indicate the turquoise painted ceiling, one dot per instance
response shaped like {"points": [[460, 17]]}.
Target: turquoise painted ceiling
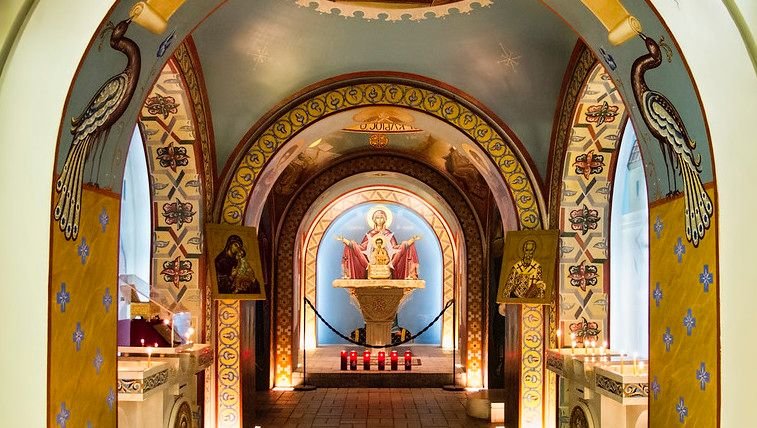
{"points": [[511, 56]]}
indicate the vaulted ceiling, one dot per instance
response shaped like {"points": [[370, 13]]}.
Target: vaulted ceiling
{"points": [[510, 55]]}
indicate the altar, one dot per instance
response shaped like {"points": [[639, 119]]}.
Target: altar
{"points": [[379, 300]]}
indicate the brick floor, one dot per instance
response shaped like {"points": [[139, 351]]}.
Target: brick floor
{"points": [[364, 407]]}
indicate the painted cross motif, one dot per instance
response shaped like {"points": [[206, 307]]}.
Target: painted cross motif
{"points": [[681, 409], [656, 388], [658, 226], [582, 275], [679, 250], [657, 294], [589, 163], [107, 299], [104, 219], [601, 113], [172, 156], [98, 360], [689, 322], [110, 399], [78, 336], [667, 337], [83, 250], [706, 278], [178, 213], [62, 417], [160, 105], [176, 271], [584, 219], [703, 376], [62, 297]]}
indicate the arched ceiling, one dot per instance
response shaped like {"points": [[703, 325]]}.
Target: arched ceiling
{"points": [[511, 56]]}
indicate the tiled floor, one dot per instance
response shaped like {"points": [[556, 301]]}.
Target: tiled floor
{"points": [[370, 407]]}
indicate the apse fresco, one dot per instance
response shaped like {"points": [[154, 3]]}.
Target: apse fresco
{"points": [[420, 307], [83, 309]]}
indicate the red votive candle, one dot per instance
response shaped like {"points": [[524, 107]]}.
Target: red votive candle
{"points": [[381, 360], [394, 360], [343, 360], [366, 360], [353, 360], [408, 360]]}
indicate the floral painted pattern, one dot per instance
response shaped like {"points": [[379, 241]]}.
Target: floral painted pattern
{"points": [[178, 213], [584, 219], [689, 322], [160, 105], [176, 271], [63, 297], [703, 376], [589, 163], [679, 249], [657, 294], [582, 275], [83, 250], [601, 113], [172, 157], [585, 330], [706, 278]]}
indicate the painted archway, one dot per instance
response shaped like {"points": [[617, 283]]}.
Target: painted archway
{"points": [[38, 119]]}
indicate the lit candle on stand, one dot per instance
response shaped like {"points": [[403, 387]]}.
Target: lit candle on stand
{"points": [[149, 356], [641, 367], [353, 360], [366, 360], [169, 323], [394, 360], [142, 341], [408, 360], [381, 360], [343, 360], [572, 347], [559, 337]]}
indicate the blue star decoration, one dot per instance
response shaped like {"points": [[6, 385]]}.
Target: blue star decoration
{"points": [[679, 250], [655, 388], [657, 294], [83, 250], [658, 226], [98, 360], [681, 409], [62, 297], [107, 299], [78, 336], [706, 278], [62, 417], [689, 322], [104, 219], [667, 337], [703, 376], [110, 399]]}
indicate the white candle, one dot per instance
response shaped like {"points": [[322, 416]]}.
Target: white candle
{"points": [[622, 357], [559, 337], [572, 347], [149, 356], [641, 367], [634, 364]]}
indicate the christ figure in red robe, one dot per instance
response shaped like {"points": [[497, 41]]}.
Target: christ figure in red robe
{"points": [[403, 256]]}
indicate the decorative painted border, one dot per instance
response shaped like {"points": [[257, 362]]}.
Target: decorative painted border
{"points": [[470, 348], [142, 386], [345, 96], [173, 159], [229, 397], [378, 194], [598, 119], [621, 390]]}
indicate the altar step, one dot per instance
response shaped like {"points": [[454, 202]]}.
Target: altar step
{"points": [[377, 379]]}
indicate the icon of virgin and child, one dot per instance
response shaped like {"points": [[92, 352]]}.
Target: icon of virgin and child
{"points": [[379, 254]]}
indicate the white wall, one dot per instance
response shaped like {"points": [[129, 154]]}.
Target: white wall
{"points": [[31, 104]]}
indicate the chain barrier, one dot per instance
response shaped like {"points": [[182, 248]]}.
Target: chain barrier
{"points": [[392, 345]]}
